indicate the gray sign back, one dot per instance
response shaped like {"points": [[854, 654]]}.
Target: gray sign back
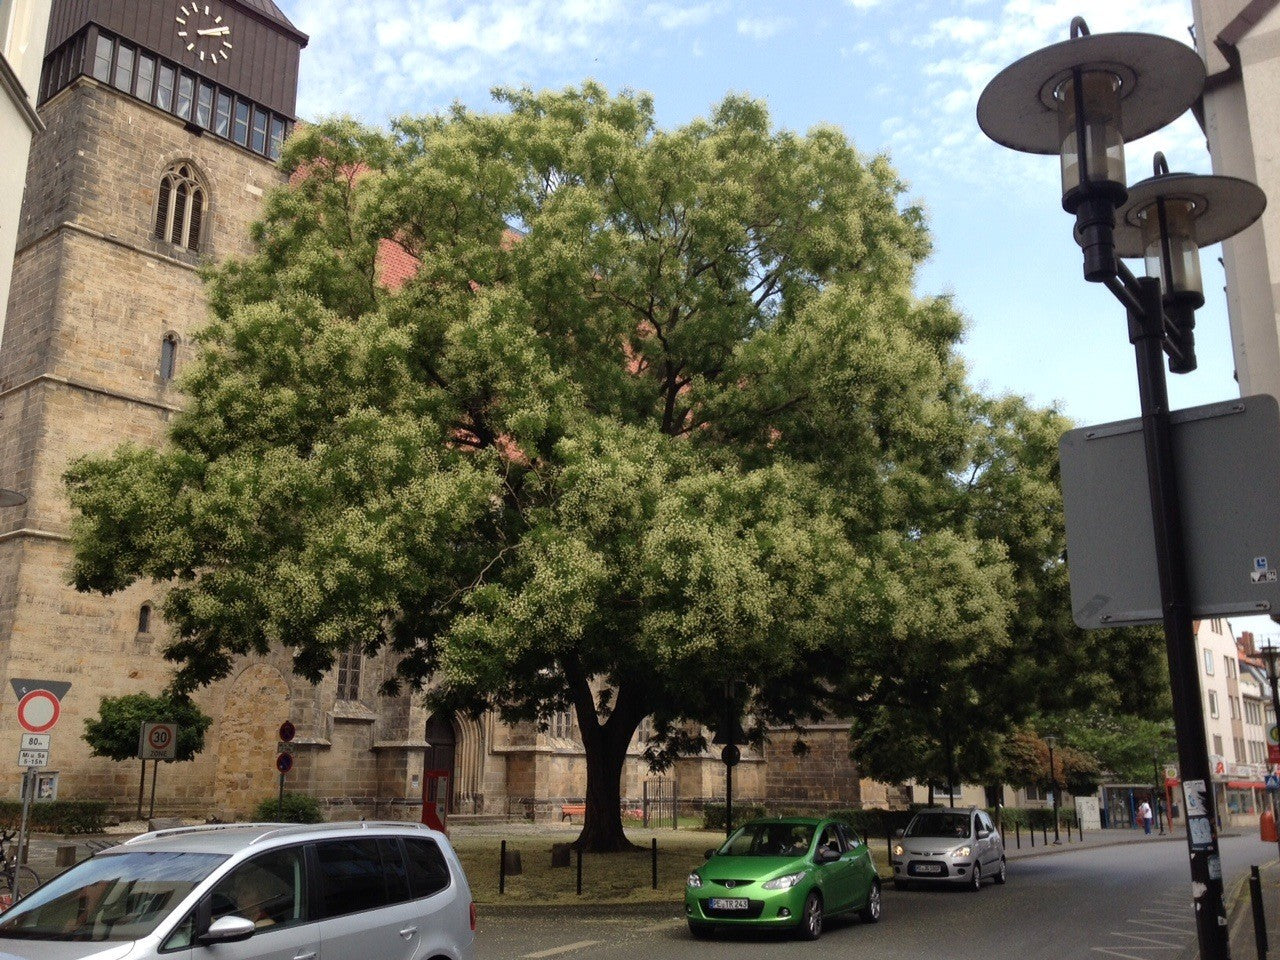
{"points": [[1228, 468]]}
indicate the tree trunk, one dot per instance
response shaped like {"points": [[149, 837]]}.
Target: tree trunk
{"points": [[602, 825], [605, 745]]}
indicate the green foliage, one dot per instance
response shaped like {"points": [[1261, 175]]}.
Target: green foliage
{"points": [[57, 816], [713, 814], [1131, 749], [115, 732], [296, 808]]}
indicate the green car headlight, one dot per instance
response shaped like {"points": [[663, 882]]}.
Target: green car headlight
{"points": [[694, 880], [784, 883], [961, 852]]}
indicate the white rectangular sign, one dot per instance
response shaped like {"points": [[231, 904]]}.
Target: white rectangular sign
{"points": [[33, 758], [35, 741]]}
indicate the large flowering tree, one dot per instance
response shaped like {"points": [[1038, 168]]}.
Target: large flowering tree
{"points": [[647, 410]]}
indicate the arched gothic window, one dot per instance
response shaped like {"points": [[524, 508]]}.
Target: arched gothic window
{"points": [[144, 618], [168, 356], [180, 207]]}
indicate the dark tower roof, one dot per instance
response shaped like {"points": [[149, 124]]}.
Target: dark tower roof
{"points": [[269, 11]]}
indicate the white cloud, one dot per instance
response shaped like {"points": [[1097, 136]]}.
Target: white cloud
{"points": [[673, 16], [762, 28]]}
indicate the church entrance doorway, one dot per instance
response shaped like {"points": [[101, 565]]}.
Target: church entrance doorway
{"points": [[442, 753]]}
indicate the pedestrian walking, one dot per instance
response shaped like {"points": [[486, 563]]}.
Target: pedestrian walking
{"points": [[1144, 812]]}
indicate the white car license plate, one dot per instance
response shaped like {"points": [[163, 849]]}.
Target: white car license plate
{"points": [[728, 903], [928, 868]]}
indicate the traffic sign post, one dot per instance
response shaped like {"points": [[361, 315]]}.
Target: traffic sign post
{"points": [[39, 707], [156, 741], [284, 761]]}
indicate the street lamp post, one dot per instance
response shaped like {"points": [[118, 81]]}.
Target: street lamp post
{"points": [[1050, 739], [1082, 99], [1271, 654]]}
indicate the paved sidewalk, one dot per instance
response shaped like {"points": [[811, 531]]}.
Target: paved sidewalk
{"points": [[1091, 838]]}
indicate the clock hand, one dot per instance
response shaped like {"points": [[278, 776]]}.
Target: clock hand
{"points": [[214, 32]]}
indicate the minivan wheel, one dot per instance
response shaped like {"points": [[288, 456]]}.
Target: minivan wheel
{"points": [[975, 879], [811, 919], [1003, 875], [871, 912]]}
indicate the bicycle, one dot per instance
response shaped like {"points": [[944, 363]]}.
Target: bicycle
{"points": [[16, 878]]}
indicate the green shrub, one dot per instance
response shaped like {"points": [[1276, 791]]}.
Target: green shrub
{"points": [[296, 808], [57, 816], [713, 814]]}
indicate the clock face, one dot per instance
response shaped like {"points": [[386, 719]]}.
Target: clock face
{"points": [[202, 31]]}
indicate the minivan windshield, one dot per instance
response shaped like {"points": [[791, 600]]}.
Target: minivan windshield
{"points": [[770, 840], [121, 896], [939, 823]]}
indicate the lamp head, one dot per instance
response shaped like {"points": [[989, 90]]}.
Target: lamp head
{"points": [[1084, 97], [1271, 654], [1170, 216]]}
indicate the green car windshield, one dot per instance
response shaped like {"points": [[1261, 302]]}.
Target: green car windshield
{"points": [[939, 823], [769, 840]]}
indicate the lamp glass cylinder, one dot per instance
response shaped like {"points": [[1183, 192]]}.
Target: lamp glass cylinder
{"points": [[1096, 139], [1182, 280]]}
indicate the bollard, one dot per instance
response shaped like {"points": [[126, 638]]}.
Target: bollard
{"points": [[1017, 834], [1031, 832], [888, 843], [1259, 915], [1068, 831], [654, 848], [1044, 831], [502, 869], [579, 871]]}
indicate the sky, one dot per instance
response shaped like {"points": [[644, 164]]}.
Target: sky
{"points": [[899, 77]]}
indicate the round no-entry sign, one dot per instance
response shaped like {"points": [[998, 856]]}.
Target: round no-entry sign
{"points": [[284, 762], [38, 711]]}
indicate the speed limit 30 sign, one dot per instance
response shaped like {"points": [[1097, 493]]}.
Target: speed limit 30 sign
{"points": [[159, 741]]}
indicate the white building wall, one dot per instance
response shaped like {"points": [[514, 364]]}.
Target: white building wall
{"points": [[23, 27], [1241, 121]]}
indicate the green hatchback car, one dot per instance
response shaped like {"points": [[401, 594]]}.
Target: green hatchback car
{"points": [[784, 873]]}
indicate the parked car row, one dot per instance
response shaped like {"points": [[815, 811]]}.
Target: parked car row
{"points": [[796, 872]]}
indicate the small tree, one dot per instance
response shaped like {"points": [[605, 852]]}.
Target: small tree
{"points": [[114, 732]]}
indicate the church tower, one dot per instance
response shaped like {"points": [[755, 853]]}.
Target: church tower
{"points": [[164, 120]]}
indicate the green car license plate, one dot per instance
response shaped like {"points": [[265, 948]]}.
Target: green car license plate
{"points": [[728, 903]]}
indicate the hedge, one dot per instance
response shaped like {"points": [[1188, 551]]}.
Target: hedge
{"points": [[57, 816], [713, 814], [297, 808]]}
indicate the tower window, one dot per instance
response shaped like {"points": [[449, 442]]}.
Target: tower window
{"points": [[124, 68], [164, 92], [146, 77], [349, 663], [102, 59], [144, 618], [186, 93], [222, 119], [168, 356], [240, 132], [204, 105], [259, 144], [180, 207]]}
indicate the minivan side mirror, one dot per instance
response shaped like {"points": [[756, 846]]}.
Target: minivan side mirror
{"points": [[898, 834], [983, 833], [229, 929]]}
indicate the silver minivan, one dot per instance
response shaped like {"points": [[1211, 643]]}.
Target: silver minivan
{"points": [[949, 846], [338, 891]]}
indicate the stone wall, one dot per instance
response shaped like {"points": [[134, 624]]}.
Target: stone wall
{"points": [[823, 778]]}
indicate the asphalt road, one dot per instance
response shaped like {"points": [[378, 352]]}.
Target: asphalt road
{"points": [[1131, 901]]}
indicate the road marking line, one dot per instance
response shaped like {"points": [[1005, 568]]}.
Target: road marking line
{"points": [[556, 951], [1161, 926], [1134, 936], [655, 927], [1117, 953]]}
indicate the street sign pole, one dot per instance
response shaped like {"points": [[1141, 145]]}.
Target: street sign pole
{"points": [[28, 783]]}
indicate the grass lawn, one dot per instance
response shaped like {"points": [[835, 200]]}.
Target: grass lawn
{"points": [[606, 878]]}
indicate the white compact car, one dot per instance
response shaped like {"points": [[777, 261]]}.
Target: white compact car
{"points": [[341, 891], [949, 846]]}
